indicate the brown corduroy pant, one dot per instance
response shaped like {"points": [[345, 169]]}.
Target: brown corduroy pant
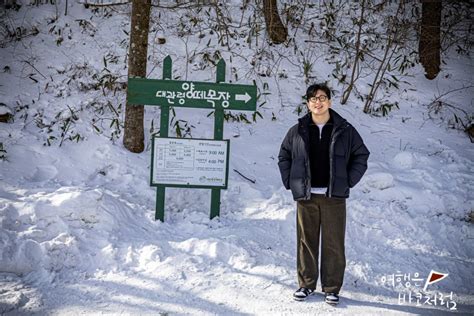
{"points": [[325, 216]]}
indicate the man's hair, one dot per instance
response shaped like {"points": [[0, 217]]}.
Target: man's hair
{"points": [[312, 89]]}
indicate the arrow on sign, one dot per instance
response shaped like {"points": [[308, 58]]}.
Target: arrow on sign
{"points": [[243, 97]]}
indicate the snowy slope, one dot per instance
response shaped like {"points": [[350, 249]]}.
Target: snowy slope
{"points": [[78, 233]]}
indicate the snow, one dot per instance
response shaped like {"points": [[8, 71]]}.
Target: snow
{"points": [[403, 160], [78, 234], [4, 110]]}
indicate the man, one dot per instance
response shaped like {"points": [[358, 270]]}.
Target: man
{"points": [[320, 158]]}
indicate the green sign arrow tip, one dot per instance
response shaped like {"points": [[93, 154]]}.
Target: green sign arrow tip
{"points": [[243, 97]]}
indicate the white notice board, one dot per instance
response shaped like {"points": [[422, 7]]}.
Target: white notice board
{"points": [[184, 162]]}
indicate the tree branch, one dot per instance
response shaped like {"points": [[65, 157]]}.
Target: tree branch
{"points": [[248, 179]]}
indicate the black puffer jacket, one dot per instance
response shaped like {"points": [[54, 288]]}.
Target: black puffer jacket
{"points": [[347, 155]]}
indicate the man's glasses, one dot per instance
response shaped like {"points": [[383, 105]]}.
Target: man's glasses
{"points": [[321, 98]]}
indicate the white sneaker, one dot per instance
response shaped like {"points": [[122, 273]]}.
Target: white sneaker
{"points": [[332, 298], [302, 293]]}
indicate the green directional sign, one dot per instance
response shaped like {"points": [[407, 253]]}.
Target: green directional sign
{"points": [[197, 163], [192, 94]]}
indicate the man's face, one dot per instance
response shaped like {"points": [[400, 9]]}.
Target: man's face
{"points": [[319, 104]]}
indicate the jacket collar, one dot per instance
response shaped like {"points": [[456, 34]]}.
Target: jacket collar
{"points": [[337, 120]]}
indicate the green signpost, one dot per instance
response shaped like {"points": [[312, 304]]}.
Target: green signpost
{"points": [[218, 96]]}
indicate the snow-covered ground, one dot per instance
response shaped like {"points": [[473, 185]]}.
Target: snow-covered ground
{"points": [[78, 234]]}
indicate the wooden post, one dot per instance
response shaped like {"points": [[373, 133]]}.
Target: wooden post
{"points": [[218, 135], [164, 123]]}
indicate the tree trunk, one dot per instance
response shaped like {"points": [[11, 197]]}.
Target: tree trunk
{"points": [[430, 43], [133, 138], [275, 28]]}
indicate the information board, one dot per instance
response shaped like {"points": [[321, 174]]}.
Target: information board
{"points": [[184, 162]]}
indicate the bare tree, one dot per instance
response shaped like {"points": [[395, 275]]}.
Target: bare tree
{"points": [[395, 33], [357, 57], [275, 28], [133, 138], [430, 43]]}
